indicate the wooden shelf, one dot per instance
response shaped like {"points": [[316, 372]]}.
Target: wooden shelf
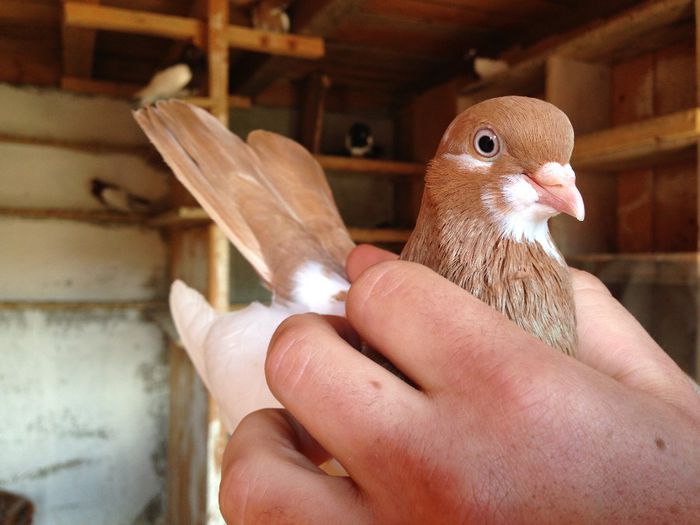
{"points": [[191, 215], [650, 25], [623, 268], [642, 142], [371, 166], [101, 216], [83, 305]]}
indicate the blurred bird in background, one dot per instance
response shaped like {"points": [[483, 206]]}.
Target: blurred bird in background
{"points": [[359, 140], [184, 77], [117, 198]]}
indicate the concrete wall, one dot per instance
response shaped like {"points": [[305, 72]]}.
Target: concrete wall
{"points": [[84, 391]]}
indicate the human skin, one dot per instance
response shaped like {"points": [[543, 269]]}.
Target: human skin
{"points": [[497, 428]]}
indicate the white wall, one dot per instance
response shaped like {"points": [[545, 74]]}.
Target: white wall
{"points": [[83, 392]]}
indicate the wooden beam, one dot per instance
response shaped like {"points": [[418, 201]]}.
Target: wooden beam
{"points": [[132, 21], [614, 38], [309, 17], [217, 49], [646, 141], [91, 147], [77, 15], [271, 43], [192, 215], [98, 216], [312, 111], [234, 101], [83, 305], [371, 166], [99, 87], [78, 48]]}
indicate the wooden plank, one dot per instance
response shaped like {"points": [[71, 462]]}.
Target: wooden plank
{"points": [[192, 215], [218, 253], [642, 141], [26, 67], [379, 235], [218, 58], [371, 166], [91, 147], [187, 432], [312, 111], [675, 207], [675, 183], [317, 18], [23, 12], [271, 43], [633, 100], [602, 42], [582, 91], [132, 21], [99, 87], [78, 48], [625, 29], [83, 305], [654, 268], [234, 101], [98, 216]]}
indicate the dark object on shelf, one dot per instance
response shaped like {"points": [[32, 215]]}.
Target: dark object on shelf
{"points": [[359, 140], [15, 510]]}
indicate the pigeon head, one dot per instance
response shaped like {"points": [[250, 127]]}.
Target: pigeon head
{"points": [[507, 159]]}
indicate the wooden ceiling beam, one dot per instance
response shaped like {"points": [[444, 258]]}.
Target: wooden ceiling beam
{"points": [[79, 15], [130, 21], [318, 18], [78, 48]]}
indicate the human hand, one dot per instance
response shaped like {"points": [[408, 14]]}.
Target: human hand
{"points": [[499, 429]]}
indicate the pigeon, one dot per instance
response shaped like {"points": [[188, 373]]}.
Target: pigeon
{"points": [[176, 80], [270, 15], [359, 140], [500, 172], [116, 198]]}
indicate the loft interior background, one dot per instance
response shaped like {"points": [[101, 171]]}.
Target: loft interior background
{"points": [[103, 418]]}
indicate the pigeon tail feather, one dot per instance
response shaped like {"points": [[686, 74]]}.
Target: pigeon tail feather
{"points": [[193, 317]]}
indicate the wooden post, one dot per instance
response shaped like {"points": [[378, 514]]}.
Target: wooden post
{"points": [[218, 246], [697, 98], [312, 110]]}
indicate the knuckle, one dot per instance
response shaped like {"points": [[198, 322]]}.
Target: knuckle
{"points": [[239, 492], [383, 280], [586, 281], [284, 356]]}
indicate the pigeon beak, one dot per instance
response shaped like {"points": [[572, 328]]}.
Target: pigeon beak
{"points": [[556, 187]]}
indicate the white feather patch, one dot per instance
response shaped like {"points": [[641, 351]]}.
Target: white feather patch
{"points": [[320, 290], [526, 220], [467, 162]]}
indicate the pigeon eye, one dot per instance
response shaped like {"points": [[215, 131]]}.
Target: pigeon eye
{"points": [[486, 143]]}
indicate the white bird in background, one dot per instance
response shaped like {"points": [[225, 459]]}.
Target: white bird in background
{"points": [[500, 172], [270, 15], [117, 198], [177, 80]]}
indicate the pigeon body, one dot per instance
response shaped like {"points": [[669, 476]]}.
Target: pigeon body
{"points": [[500, 172]]}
